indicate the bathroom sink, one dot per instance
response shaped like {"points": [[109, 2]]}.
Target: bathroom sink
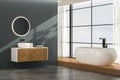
{"points": [[96, 56], [25, 45]]}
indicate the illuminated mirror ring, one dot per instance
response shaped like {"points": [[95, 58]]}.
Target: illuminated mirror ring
{"points": [[21, 26]]}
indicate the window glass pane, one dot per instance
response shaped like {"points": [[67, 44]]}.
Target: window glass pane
{"points": [[79, 45], [81, 34], [99, 2], [102, 32], [82, 4], [82, 17], [97, 45], [103, 15], [100, 45]]}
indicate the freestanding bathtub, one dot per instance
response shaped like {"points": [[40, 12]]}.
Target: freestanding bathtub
{"points": [[96, 56]]}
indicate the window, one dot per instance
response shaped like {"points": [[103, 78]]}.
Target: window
{"points": [[82, 34], [89, 22], [82, 17], [103, 32], [103, 15]]}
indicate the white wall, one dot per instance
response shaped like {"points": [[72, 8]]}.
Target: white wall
{"points": [[59, 32], [63, 36], [117, 28]]}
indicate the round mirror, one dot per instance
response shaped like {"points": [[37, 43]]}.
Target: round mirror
{"points": [[21, 26]]}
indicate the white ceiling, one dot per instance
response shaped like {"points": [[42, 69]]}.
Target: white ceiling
{"points": [[66, 2]]}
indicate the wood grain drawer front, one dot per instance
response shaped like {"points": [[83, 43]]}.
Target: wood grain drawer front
{"points": [[23, 55], [37, 54]]}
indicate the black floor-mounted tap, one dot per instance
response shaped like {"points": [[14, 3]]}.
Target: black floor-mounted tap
{"points": [[104, 45]]}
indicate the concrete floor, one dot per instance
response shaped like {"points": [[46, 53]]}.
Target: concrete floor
{"points": [[52, 73]]}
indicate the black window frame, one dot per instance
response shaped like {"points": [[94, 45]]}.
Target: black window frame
{"points": [[71, 26]]}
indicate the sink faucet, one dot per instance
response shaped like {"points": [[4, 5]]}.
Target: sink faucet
{"points": [[104, 45], [22, 40]]}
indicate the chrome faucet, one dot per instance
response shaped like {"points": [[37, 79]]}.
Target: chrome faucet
{"points": [[104, 45]]}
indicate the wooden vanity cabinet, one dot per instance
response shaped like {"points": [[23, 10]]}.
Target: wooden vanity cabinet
{"points": [[29, 54]]}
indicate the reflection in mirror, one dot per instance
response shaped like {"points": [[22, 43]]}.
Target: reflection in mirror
{"points": [[21, 26]]}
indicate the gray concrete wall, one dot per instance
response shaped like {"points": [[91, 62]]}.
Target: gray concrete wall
{"points": [[42, 15]]}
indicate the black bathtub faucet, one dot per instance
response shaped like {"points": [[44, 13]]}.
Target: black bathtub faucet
{"points": [[104, 45]]}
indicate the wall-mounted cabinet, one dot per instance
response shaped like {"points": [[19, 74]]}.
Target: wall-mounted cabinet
{"points": [[29, 54]]}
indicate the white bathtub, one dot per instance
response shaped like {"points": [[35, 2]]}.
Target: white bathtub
{"points": [[96, 56]]}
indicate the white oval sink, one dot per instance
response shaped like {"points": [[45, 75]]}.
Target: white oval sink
{"points": [[96, 56], [25, 45]]}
